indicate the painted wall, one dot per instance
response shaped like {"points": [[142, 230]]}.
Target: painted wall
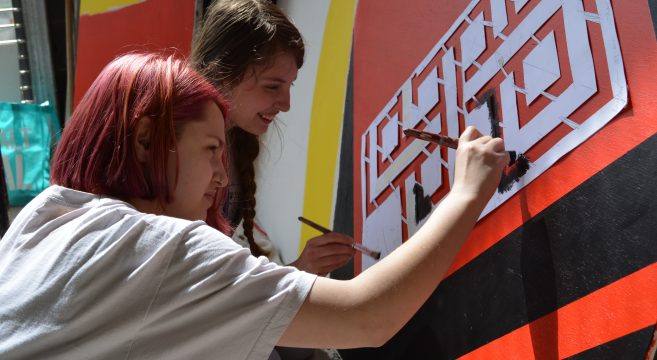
{"points": [[108, 28], [563, 265]]}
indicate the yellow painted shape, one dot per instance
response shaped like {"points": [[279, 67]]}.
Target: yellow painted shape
{"points": [[327, 116], [93, 7]]}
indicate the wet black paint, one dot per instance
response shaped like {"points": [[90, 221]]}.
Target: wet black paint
{"points": [[423, 203]]}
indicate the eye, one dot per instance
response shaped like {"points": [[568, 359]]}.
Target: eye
{"points": [[214, 149]]}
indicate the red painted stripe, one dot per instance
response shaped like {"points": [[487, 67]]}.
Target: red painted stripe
{"points": [[618, 309]]}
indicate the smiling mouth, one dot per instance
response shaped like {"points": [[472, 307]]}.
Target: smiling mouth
{"points": [[267, 118]]}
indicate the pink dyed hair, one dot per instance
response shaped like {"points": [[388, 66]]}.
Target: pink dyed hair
{"points": [[96, 152]]}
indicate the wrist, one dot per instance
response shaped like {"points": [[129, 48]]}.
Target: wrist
{"points": [[470, 199], [465, 195]]}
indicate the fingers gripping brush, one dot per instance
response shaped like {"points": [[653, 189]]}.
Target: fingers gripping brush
{"points": [[518, 163], [376, 255]]}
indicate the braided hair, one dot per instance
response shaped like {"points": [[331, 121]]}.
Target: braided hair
{"points": [[236, 36], [244, 149]]}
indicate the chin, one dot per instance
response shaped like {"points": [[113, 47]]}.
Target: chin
{"points": [[196, 216], [259, 130]]}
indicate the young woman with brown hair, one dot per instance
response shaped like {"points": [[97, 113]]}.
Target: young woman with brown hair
{"points": [[251, 51]]}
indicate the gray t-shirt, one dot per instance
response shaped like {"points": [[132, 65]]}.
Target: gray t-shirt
{"points": [[89, 277]]}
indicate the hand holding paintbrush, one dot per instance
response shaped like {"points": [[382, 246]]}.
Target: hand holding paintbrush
{"points": [[517, 167], [446, 141], [374, 254]]}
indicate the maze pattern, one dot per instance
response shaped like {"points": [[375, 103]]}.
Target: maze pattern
{"points": [[555, 70]]}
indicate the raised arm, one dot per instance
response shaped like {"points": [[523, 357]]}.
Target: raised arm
{"points": [[369, 309]]}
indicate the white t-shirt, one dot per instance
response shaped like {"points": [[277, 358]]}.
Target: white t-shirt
{"points": [[260, 237], [89, 277]]}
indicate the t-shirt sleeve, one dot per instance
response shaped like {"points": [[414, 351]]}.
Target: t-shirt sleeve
{"points": [[216, 300]]}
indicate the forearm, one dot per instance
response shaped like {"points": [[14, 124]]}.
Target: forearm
{"points": [[407, 277], [402, 281]]}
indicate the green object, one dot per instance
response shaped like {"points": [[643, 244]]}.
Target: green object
{"points": [[28, 136]]}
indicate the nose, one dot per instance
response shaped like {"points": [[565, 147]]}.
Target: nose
{"points": [[283, 101], [220, 174]]}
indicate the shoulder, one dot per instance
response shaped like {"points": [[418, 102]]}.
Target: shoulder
{"points": [[108, 220]]}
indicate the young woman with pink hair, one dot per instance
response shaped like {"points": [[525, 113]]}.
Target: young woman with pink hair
{"points": [[122, 257]]}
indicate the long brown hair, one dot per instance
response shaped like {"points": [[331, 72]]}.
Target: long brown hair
{"points": [[236, 37]]}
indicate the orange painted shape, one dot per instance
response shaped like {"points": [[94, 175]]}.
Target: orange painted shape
{"points": [[616, 310]]}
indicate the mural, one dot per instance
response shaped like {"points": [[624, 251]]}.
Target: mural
{"points": [[562, 262], [108, 28]]}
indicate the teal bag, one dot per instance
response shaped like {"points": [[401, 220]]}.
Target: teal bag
{"points": [[28, 136]]}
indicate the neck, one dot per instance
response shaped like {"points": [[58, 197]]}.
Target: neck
{"points": [[146, 206]]}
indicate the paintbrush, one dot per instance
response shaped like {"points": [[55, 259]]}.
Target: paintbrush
{"points": [[371, 253], [447, 141], [518, 163]]}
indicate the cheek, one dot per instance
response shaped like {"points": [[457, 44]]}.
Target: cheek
{"points": [[239, 115], [171, 172], [255, 100]]}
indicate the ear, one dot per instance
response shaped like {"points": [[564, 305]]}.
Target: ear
{"points": [[143, 139]]}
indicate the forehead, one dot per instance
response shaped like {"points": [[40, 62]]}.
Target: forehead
{"points": [[283, 66], [210, 122]]}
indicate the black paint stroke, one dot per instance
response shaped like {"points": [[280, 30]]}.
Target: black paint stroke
{"points": [[519, 168], [513, 173], [423, 203]]}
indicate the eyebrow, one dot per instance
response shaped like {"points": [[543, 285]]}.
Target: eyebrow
{"points": [[275, 79], [221, 141]]}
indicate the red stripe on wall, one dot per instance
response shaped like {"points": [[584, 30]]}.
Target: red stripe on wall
{"points": [[615, 310]]}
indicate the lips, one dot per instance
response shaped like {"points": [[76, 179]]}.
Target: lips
{"points": [[267, 118], [210, 195]]}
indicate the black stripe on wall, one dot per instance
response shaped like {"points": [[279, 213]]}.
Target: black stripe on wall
{"points": [[416, 340], [343, 217], [653, 10], [598, 233]]}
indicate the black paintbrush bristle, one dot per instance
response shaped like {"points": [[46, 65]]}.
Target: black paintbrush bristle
{"points": [[522, 165], [513, 173]]}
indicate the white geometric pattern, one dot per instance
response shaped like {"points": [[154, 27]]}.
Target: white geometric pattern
{"points": [[540, 69], [519, 4], [473, 41]]}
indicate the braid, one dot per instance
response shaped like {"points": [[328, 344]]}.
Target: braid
{"points": [[244, 149]]}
